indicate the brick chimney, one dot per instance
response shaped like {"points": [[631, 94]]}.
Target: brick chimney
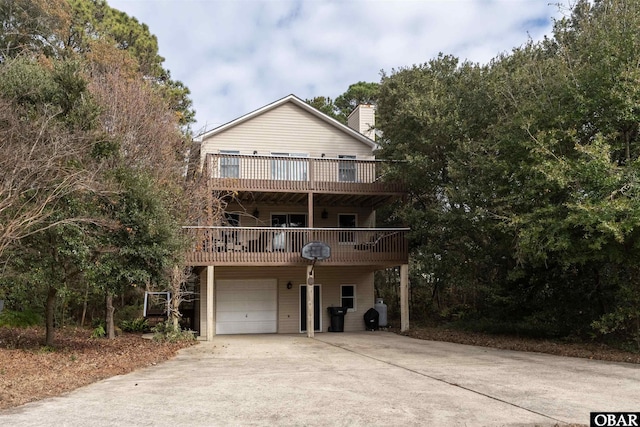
{"points": [[362, 120]]}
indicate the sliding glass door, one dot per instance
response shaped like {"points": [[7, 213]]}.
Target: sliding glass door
{"points": [[293, 168]]}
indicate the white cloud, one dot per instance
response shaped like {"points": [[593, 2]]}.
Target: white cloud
{"points": [[238, 55]]}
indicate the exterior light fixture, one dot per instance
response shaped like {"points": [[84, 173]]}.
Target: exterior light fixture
{"points": [[256, 213], [324, 214], [289, 285]]}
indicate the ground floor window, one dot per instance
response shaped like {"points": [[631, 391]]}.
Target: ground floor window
{"points": [[348, 297]]}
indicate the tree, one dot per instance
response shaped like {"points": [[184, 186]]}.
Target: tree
{"points": [[523, 176], [43, 159], [356, 94], [592, 160], [32, 26], [47, 173], [94, 22], [323, 104], [427, 117], [144, 247], [81, 122], [144, 156], [343, 106]]}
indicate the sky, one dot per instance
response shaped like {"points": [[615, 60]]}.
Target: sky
{"points": [[236, 56]]}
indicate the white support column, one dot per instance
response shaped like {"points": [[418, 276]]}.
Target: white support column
{"points": [[203, 304], [404, 297], [310, 300], [211, 303]]}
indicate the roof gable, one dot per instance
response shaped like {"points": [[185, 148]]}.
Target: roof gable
{"points": [[294, 100]]}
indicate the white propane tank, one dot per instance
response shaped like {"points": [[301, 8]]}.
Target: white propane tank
{"points": [[381, 308]]}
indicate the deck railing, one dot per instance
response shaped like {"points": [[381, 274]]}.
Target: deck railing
{"points": [[282, 245], [285, 173]]}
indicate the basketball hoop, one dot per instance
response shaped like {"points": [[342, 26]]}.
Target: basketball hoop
{"points": [[314, 251]]}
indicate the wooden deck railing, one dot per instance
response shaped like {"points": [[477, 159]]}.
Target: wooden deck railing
{"points": [[281, 246], [284, 173]]}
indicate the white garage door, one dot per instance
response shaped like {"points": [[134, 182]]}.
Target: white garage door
{"points": [[246, 306]]}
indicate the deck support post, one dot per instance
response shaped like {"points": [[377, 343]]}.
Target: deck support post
{"points": [[211, 303], [310, 300], [404, 297], [310, 209]]}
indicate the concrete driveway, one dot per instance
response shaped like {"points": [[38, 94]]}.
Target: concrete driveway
{"points": [[369, 378]]}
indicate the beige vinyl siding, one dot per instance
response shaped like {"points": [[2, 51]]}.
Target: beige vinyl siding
{"points": [[330, 279], [289, 302], [287, 129]]}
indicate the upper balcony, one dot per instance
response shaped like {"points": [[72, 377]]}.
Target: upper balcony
{"points": [[289, 174], [277, 246]]}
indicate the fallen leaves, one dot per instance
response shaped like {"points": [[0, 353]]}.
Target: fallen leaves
{"points": [[29, 371], [583, 350]]}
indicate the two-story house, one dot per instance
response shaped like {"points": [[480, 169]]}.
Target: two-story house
{"points": [[289, 175]]}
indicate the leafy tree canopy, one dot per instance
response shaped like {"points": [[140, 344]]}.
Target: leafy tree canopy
{"points": [[91, 154], [524, 176], [340, 109]]}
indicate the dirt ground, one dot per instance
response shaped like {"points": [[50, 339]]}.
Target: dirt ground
{"points": [[29, 371]]}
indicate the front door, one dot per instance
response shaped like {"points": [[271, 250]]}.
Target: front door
{"points": [[317, 318]]}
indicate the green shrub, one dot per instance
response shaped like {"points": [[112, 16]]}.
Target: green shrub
{"points": [[97, 321], [98, 332], [47, 349], [619, 328], [19, 319], [165, 331], [128, 312], [528, 328], [135, 325]]}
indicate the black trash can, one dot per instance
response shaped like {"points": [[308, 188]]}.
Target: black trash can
{"points": [[371, 319], [337, 318]]}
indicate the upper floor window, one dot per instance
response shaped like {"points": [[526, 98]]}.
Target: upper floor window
{"points": [[294, 169], [229, 165], [346, 168]]}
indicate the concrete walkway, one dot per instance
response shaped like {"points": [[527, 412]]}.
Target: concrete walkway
{"points": [[345, 379]]}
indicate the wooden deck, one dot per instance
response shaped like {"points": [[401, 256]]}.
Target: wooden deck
{"points": [[270, 246], [300, 174]]}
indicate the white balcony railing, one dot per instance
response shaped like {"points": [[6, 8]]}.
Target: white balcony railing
{"points": [[280, 245], [286, 173]]}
